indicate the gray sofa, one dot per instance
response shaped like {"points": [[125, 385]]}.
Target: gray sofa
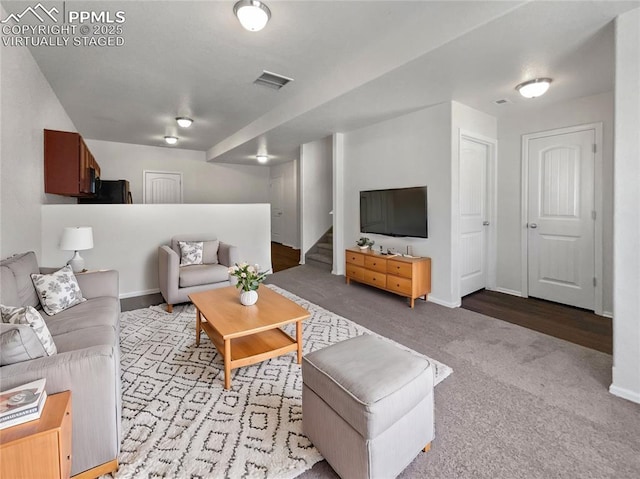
{"points": [[178, 282], [87, 363]]}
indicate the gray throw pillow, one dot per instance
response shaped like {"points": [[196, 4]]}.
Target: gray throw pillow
{"points": [[210, 252], [57, 291], [190, 252], [29, 316], [19, 342]]}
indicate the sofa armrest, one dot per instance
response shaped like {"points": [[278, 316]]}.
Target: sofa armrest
{"points": [[95, 284], [228, 255], [168, 273]]}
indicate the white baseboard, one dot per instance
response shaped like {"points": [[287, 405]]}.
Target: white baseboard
{"points": [[134, 294], [512, 292], [625, 393], [441, 302], [607, 314]]}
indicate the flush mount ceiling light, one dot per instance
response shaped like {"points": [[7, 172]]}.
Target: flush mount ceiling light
{"points": [[262, 158], [252, 14], [534, 88], [184, 122], [171, 140]]}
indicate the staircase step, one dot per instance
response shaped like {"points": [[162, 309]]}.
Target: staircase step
{"points": [[325, 247], [321, 258]]}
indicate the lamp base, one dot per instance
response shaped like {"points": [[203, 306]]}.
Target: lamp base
{"points": [[76, 263]]}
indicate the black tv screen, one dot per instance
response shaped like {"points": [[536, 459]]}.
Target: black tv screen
{"points": [[395, 212]]}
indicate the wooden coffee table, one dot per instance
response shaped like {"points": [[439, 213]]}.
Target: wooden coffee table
{"points": [[246, 335]]}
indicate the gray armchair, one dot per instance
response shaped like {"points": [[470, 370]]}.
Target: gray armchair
{"points": [[177, 282]]}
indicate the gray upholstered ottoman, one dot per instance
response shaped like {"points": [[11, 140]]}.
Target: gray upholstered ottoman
{"points": [[367, 405]]}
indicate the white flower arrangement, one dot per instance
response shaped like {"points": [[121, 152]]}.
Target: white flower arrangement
{"points": [[249, 276]]}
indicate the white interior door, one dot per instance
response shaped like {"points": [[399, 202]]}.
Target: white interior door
{"points": [[560, 218], [276, 198], [474, 220], [162, 187]]}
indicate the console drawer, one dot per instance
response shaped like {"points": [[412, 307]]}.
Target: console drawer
{"points": [[355, 272], [399, 285], [399, 268], [375, 278], [355, 258], [375, 263]]}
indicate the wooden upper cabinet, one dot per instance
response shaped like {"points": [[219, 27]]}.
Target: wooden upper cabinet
{"points": [[69, 167]]}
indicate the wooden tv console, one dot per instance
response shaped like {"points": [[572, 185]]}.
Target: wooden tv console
{"points": [[408, 277]]}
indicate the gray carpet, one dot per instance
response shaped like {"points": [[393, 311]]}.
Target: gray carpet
{"points": [[520, 404]]}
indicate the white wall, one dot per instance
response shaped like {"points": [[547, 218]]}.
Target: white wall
{"points": [[316, 191], [203, 182], [126, 237], [626, 318], [412, 150], [592, 109], [468, 120], [290, 214], [28, 106]]}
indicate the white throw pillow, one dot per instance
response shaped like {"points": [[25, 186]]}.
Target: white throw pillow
{"points": [[57, 291], [30, 316], [190, 252]]}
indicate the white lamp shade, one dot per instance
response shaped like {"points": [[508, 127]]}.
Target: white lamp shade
{"points": [[534, 88], [252, 14], [76, 238]]}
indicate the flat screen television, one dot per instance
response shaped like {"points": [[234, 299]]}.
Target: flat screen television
{"points": [[395, 212]]}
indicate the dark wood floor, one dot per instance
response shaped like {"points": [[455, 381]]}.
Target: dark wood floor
{"points": [[576, 325], [284, 257]]}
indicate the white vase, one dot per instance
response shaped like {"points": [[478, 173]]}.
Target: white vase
{"points": [[248, 298]]}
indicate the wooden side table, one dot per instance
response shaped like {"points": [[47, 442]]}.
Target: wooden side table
{"points": [[40, 448]]}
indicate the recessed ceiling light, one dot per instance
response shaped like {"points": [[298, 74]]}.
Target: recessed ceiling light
{"points": [[184, 122], [262, 158], [534, 88], [171, 140], [252, 14]]}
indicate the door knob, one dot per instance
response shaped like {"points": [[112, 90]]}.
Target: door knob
{"points": [[485, 223], [533, 225]]}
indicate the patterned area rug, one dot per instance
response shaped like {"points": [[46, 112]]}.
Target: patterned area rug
{"points": [[177, 419]]}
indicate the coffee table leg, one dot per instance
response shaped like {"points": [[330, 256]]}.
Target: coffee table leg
{"points": [[299, 340], [227, 364], [198, 323]]}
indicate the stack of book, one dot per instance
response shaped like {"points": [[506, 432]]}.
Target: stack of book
{"points": [[22, 404]]}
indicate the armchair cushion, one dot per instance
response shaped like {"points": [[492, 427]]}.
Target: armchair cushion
{"points": [[210, 252], [197, 274], [190, 252]]}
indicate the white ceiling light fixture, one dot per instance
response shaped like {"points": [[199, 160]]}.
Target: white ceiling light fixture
{"points": [[252, 14], [184, 122], [534, 88], [171, 140], [262, 158]]}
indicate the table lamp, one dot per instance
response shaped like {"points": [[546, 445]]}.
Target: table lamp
{"points": [[77, 238]]}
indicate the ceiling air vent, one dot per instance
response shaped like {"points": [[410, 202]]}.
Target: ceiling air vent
{"points": [[272, 80], [502, 101]]}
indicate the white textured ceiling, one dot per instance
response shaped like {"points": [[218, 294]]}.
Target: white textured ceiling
{"points": [[354, 63]]}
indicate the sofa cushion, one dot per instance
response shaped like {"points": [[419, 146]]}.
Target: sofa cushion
{"points": [[17, 287], [19, 342], [210, 252], [368, 381], [190, 252], [29, 316], [86, 338], [101, 311], [197, 274], [57, 291]]}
